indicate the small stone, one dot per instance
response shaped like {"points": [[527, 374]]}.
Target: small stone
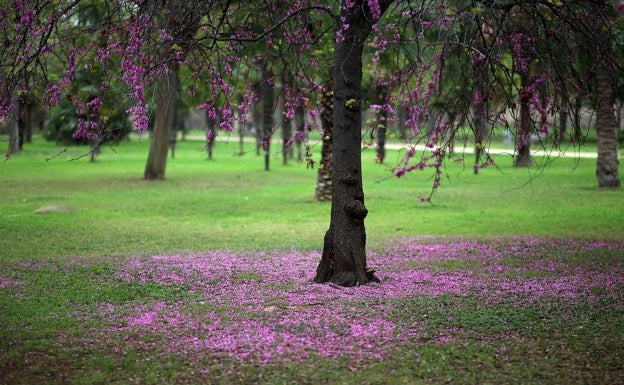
{"points": [[51, 209]]}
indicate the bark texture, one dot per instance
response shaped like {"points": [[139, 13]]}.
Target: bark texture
{"points": [[268, 101], [168, 95], [381, 98], [523, 138], [323, 190], [607, 164], [343, 261], [182, 24], [481, 130]]}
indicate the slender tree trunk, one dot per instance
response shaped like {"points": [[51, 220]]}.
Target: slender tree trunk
{"points": [[256, 117], [401, 125], [168, 95], [212, 125], [173, 132], [523, 137], [382, 119], [480, 113], [286, 136], [343, 260], [24, 119], [268, 101], [607, 165], [324, 178], [14, 139], [449, 134], [300, 123]]}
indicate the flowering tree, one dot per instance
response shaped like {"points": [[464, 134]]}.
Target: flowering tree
{"points": [[535, 68]]}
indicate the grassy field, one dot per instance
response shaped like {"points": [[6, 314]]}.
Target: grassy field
{"points": [[509, 276]]}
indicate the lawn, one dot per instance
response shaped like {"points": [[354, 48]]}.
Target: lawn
{"points": [[509, 276]]}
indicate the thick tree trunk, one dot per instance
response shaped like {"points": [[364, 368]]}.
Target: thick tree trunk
{"points": [[343, 260], [323, 190], [168, 95], [607, 165]]}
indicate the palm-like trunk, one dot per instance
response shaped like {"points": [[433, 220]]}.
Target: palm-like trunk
{"points": [[607, 164]]}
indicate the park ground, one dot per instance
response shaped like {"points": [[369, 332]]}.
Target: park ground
{"points": [[512, 276]]}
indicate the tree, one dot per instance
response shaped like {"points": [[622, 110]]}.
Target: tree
{"points": [[267, 96], [344, 249], [607, 164], [181, 24], [151, 40], [323, 191]]}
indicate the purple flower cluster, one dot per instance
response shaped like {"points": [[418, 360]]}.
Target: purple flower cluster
{"points": [[263, 307]]}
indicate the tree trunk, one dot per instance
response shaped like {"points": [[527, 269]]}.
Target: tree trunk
{"points": [[212, 125], [480, 101], [286, 136], [323, 190], [24, 119], [268, 101], [382, 122], [173, 131], [168, 95], [343, 260], [300, 123], [14, 139], [523, 137], [607, 164]]}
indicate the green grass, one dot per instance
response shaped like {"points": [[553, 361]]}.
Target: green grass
{"points": [[231, 203], [70, 283]]}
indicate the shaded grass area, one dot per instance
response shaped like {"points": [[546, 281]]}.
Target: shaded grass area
{"points": [[510, 276]]}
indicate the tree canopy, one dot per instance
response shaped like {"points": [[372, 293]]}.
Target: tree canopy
{"points": [[522, 66]]}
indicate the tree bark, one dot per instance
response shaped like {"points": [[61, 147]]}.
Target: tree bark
{"points": [[607, 164], [381, 94], [14, 139], [343, 260], [24, 119], [268, 101], [287, 149], [481, 130], [168, 95], [323, 190], [300, 127], [523, 137]]}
